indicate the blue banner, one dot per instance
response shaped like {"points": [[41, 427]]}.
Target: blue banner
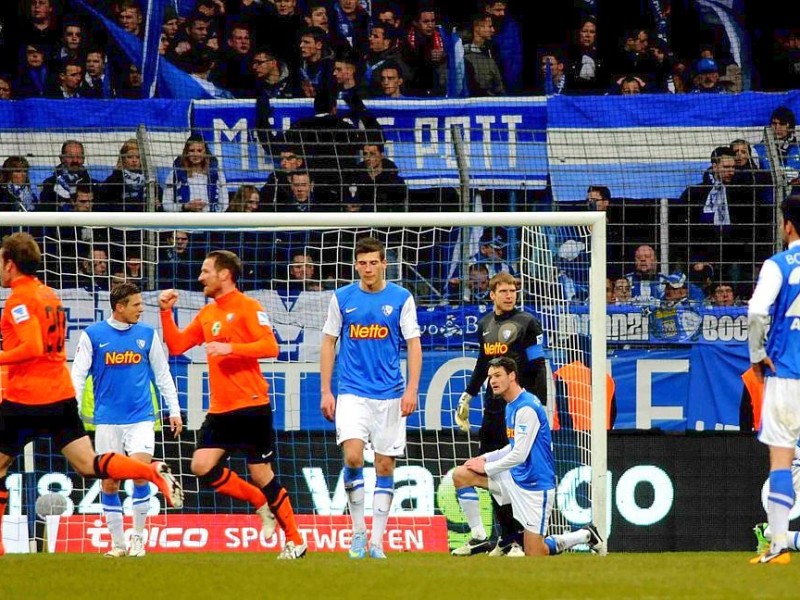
{"points": [[504, 138]]}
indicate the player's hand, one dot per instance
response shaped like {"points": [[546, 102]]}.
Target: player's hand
{"points": [[219, 348], [176, 426], [476, 465], [167, 299], [408, 403], [758, 368], [327, 405], [462, 412]]}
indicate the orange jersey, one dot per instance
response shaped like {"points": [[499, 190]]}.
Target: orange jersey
{"points": [[34, 328], [236, 380]]}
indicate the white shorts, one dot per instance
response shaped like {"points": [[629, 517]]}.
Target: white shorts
{"points": [[780, 415], [133, 438], [376, 421], [531, 508]]}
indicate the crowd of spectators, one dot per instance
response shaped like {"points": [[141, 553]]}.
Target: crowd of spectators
{"points": [[382, 49]]}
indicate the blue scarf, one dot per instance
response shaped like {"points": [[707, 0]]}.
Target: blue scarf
{"points": [[181, 184], [67, 181], [133, 186], [24, 196], [344, 25]]}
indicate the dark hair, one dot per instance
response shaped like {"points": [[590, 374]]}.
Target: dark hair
{"points": [[603, 190], [479, 17], [23, 251], [69, 62], [721, 151], [69, 143], [121, 292], [225, 259], [13, 163], [84, 186], [318, 33], [369, 244], [508, 364], [790, 209], [391, 64], [96, 50], [784, 114]]}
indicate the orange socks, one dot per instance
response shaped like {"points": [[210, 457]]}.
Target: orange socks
{"points": [[116, 466], [230, 484], [281, 507]]}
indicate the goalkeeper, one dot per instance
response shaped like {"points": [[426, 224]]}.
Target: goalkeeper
{"points": [[512, 332]]}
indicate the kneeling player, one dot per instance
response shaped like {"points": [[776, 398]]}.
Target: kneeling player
{"points": [[521, 474], [762, 530]]}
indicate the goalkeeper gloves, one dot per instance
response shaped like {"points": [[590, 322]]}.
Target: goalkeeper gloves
{"points": [[462, 412]]}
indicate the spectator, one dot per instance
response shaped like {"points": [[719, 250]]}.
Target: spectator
{"points": [[16, 192], [730, 74], [634, 57], [782, 122], [169, 29], [782, 72], [482, 73], [41, 26], [507, 41], [189, 43], [96, 82], [383, 50], [131, 86], [345, 67], [647, 284], [125, 190], [276, 190], [34, 79], [196, 184], [5, 87], [630, 85], [302, 197], [73, 40], [663, 81], [554, 79], [707, 80], [622, 291], [246, 199], [177, 264], [586, 70], [388, 13], [61, 185], [378, 184], [351, 23], [391, 81], [272, 78], [201, 63], [609, 291], [129, 16], [316, 69], [282, 29], [425, 54], [676, 292], [235, 70], [723, 295], [491, 252], [478, 283], [303, 275], [70, 77], [598, 197], [93, 274], [128, 269]]}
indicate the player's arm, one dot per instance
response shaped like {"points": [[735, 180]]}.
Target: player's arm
{"points": [[535, 369], [411, 332], [84, 354], [265, 344], [28, 331], [770, 280], [526, 427], [165, 384], [327, 355], [178, 341]]}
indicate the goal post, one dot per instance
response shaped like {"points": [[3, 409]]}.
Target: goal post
{"points": [[435, 442]]}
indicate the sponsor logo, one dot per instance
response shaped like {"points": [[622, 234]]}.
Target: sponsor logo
{"points": [[129, 357], [347, 311], [216, 328], [495, 348], [368, 332], [263, 319], [104, 345], [20, 314], [509, 433]]}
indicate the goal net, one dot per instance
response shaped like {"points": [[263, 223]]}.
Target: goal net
{"points": [[292, 264]]}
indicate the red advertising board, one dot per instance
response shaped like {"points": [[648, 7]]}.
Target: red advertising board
{"points": [[241, 533]]}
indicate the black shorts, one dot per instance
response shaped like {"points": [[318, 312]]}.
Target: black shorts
{"points": [[492, 434], [247, 430], [21, 423]]}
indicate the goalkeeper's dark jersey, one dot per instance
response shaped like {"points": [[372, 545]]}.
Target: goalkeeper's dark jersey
{"points": [[518, 335]]}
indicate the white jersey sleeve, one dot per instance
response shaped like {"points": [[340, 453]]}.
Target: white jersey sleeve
{"points": [[526, 426], [81, 365], [333, 324], [408, 319], [164, 381]]}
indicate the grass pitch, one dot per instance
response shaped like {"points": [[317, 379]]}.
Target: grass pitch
{"points": [[326, 576]]}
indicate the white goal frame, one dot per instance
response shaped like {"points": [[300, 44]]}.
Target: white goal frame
{"points": [[596, 221]]}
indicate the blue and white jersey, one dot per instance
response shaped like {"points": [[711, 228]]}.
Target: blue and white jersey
{"points": [[778, 294], [371, 326], [529, 453], [123, 360]]}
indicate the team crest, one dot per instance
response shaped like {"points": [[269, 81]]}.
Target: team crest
{"points": [[141, 344], [506, 334], [229, 317], [216, 328], [387, 309]]}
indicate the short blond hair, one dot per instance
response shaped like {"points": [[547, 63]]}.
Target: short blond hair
{"points": [[502, 277]]}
